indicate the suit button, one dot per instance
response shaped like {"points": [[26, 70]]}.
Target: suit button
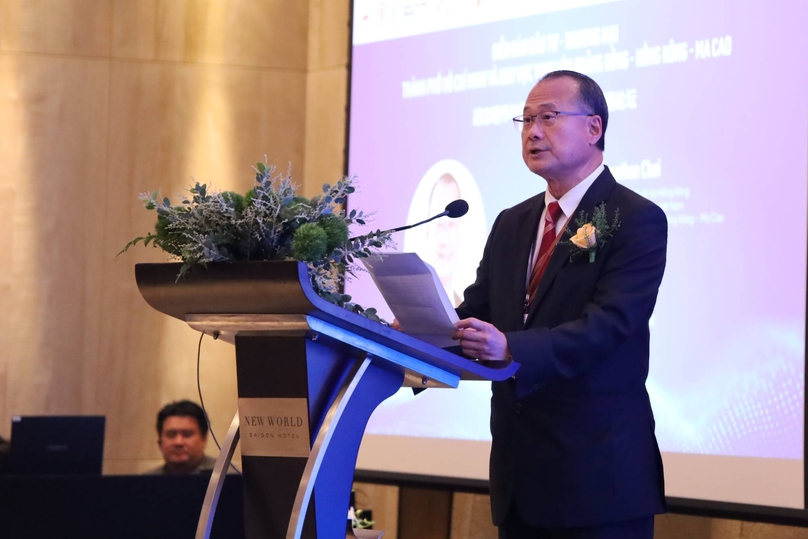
{"points": [[535, 387], [518, 408]]}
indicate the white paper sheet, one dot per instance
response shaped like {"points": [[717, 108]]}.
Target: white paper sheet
{"points": [[416, 296]]}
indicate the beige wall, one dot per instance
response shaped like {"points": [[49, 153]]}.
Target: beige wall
{"points": [[101, 100]]}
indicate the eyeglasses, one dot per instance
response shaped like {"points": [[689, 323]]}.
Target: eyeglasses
{"points": [[548, 118]]}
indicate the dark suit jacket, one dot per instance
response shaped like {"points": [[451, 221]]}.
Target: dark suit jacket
{"points": [[573, 434]]}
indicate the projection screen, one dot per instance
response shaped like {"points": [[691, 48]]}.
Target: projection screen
{"points": [[709, 119]]}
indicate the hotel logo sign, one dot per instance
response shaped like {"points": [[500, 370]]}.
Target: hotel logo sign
{"points": [[274, 427]]}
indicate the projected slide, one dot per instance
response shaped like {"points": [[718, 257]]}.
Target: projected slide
{"points": [[708, 118]]}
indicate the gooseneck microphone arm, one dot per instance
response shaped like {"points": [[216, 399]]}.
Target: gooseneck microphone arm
{"points": [[399, 229], [456, 208]]}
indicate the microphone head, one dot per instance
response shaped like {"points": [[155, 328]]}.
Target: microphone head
{"points": [[457, 208]]}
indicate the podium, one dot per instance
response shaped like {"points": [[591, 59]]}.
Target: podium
{"points": [[309, 375]]}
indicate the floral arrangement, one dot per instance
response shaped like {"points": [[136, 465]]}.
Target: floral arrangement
{"points": [[593, 234], [269, 222]]}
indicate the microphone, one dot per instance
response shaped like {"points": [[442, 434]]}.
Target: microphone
{"points": [[454, 209], [457, 208]]}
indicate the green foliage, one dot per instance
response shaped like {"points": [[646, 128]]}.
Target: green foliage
{"points": [[362, 520], [235, 200], [297, 208], [310, 243], [269, 222], [601, 221], [335, 229]]}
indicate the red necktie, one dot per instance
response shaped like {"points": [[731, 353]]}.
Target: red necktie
{"points": [[548, 241]]}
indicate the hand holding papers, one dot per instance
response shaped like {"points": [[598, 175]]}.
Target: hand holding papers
{"points": [[416, 296]]}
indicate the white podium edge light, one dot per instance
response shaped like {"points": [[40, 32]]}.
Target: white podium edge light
{"points": [[205, 524], [320, 448]]}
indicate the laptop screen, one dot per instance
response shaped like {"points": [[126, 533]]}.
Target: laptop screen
{"points": [[56, 445]]}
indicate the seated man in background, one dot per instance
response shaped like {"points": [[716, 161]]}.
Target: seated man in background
{"points": [[182, 432]]}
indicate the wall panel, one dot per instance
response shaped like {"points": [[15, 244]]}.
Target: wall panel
{"points": [[471, 517], [325, 128], [256, 33], [329, 32], [382, 501], [282, 103], [200, 89], [64, 27], [56, 112]]}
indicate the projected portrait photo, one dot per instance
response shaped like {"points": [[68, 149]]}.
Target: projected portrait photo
{"points": [[453, 247]]}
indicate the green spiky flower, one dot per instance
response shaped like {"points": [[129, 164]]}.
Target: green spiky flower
{"points": [[310, 243], [297, 208], [335, 229]]}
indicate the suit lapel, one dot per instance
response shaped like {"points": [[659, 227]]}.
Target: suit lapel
{"points": [[598, 192]]}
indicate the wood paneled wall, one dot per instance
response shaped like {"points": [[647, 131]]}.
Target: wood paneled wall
{"points": [[102, 100], [469, 517]]}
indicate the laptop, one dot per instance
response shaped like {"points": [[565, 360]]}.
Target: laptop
{"points": [[56, 445]]}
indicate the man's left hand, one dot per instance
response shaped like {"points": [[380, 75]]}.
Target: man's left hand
{"points": [[481, 340]]}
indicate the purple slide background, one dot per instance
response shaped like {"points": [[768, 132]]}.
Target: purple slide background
{"points": [[729, 329]]}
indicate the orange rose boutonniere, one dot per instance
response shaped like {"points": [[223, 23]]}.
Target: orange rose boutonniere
{"points": [[593, 233]]}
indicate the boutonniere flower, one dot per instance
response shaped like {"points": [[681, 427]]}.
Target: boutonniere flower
{"points": [[592, 234]]}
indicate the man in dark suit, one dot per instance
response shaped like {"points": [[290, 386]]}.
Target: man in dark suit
{"points": [[573, 452]]}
